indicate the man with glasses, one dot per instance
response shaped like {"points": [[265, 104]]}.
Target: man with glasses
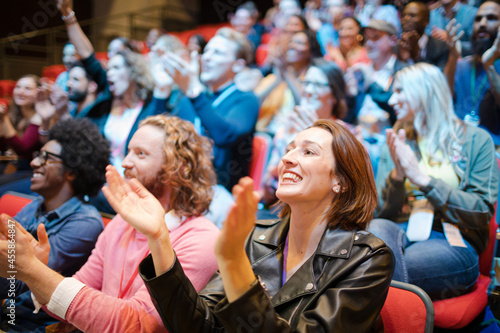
{"points": [[107, 295], [68, 168]]}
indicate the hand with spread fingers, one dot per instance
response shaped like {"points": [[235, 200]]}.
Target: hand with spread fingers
{"points": [[234, 265], [185, 74], [19, 249], [453, 33], [135, 204]]}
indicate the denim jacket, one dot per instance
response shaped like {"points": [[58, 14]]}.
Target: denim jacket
{"points": [[72, 229]]}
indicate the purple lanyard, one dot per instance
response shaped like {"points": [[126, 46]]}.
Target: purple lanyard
{"points": [[285, 254]]}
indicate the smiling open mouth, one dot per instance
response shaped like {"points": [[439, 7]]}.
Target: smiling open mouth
{"points": [[289, 177]]}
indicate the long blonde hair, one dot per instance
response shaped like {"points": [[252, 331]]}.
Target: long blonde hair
{"points": [[428, 93]]}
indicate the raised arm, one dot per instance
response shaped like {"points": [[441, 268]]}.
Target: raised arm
{"points": [[75, 33], [488, 59], [453, 35]]}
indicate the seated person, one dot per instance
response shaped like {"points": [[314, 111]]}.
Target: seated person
{"points": [[323, 97], [350, 50], [312, 266], [227, 116], [19, 123], [63, 174], [127, 90], [279, 92], [106, 294], [415, 45], [448, 172]]}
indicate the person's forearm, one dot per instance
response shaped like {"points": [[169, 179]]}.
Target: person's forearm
{"points": [[77, 37], [449, 71], [7, 130], [41, 280], [237, 276], [494, 79]]}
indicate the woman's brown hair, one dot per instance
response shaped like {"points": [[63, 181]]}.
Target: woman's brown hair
{"points": [[353, 207]]}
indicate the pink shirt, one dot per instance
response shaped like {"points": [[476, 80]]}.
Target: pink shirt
{"points": [[104, 306]]}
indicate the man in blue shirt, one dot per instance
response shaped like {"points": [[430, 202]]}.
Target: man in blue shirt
{"points": [[68, 168], [476, 80], [453, 9], [227, 115]]}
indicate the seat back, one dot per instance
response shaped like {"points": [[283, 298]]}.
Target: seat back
{"points": [[407, 309], [12, 202], [261, 148]]}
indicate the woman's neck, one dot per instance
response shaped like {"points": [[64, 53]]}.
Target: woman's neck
{"points": [[303, 220], [27, 111], [130, 99]]}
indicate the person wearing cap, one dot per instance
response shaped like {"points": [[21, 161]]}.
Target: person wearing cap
{"points": [[372, 83]]}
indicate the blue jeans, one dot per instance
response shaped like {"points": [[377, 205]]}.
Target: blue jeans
{"points": [[441, 270]]}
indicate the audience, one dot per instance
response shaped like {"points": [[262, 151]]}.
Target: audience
{"points": [[106, 294], [82, 90], [415, 45], [328, 32], [70, 57], [434, 158], [315, 263], [279, 92], [444, 13], [323, 97], [63, 175], [126, 87], [372, 84], [366, 11], [20, 122], [228, 116], [443, 169], [476, 80], [350, 50], [244, 20]]}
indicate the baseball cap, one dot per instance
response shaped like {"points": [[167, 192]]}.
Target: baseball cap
{"points": [[383, 26]]}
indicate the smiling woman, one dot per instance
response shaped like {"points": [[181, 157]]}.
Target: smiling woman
{"points": [[317, 252], [440, 184]]}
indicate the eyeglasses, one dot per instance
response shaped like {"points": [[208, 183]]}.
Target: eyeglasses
{"points": [[316, 85], [43, 157]]}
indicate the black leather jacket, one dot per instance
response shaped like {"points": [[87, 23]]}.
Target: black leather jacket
{"points": [[341, 288]]}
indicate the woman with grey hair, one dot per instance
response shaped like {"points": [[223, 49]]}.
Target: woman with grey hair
{"points": [[438, 181]]}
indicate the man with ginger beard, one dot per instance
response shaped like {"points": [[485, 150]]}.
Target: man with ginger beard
{"points": [[107, 294], [476, 80]]}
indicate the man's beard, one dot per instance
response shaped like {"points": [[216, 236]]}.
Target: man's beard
{"points": [[77, 96], [479, 46], [155, 184]]}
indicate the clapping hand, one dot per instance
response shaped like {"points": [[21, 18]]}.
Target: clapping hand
{"points": [[405, 161], [240, 221], [452, 35], [18, 248], [135, 204], [493, 53], [185, 74]]}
